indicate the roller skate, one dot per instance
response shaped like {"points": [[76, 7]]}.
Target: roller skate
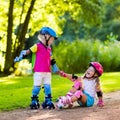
{"points": [[60, 103], [48, 103], [63, 101], [35, 102]]}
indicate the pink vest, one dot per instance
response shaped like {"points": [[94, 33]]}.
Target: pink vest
{"points": [[42, 60]]}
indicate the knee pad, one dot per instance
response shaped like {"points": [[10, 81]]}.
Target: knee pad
{"points": [[36, 90], [78, 93], [77, 85], [47, 89]]}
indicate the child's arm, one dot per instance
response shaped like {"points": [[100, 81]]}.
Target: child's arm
{"points": [[99, 94], [23, 54], [71, 77], [55, 68]]}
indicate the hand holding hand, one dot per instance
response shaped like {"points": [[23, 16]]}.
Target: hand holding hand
{"points": [[74, 77]]}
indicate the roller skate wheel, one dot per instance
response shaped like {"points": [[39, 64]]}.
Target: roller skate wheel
{"points": [[60, 105]]}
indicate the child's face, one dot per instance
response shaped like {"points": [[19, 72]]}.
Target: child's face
{"points": [[90, 72], [42, 38], [51, 40]]}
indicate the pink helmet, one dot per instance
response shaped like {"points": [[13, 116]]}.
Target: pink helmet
{"points": [[98, 67]]}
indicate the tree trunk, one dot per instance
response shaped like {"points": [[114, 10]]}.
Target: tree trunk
{"points": [[25, 27], [8, 56]]}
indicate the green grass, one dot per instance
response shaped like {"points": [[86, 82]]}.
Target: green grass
{"points": [[15, 92], [110, 82]]}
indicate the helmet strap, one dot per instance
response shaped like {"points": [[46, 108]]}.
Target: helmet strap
{"points": [[47, 40]]}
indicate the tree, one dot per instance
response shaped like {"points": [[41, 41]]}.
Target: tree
{"points": [[76, 15], [110, 23], [8, 56], [21, 37]]}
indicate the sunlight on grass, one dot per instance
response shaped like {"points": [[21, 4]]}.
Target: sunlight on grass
{"points": [[10, 82], [7, 80], [111, 74], [2, 80], [110, 81]]}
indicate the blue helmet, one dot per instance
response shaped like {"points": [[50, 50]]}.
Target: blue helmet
{"points": [[50, 31]]}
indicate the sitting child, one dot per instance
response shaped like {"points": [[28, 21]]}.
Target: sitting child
{"points": [[84, 88]]}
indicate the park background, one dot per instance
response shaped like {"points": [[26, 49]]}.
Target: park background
{"points": [[87, 31]]}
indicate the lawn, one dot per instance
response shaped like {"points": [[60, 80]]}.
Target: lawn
{"points": [[15, 92]]}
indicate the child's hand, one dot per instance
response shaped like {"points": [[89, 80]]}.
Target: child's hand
{"points": [[100, 103], [21, 56]]}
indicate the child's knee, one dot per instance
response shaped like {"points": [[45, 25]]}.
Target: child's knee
{"points": [[78, 94], [77, 85]]}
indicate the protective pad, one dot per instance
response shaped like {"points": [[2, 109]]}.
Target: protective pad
{"points": [[78, 94], [77, 85]]}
